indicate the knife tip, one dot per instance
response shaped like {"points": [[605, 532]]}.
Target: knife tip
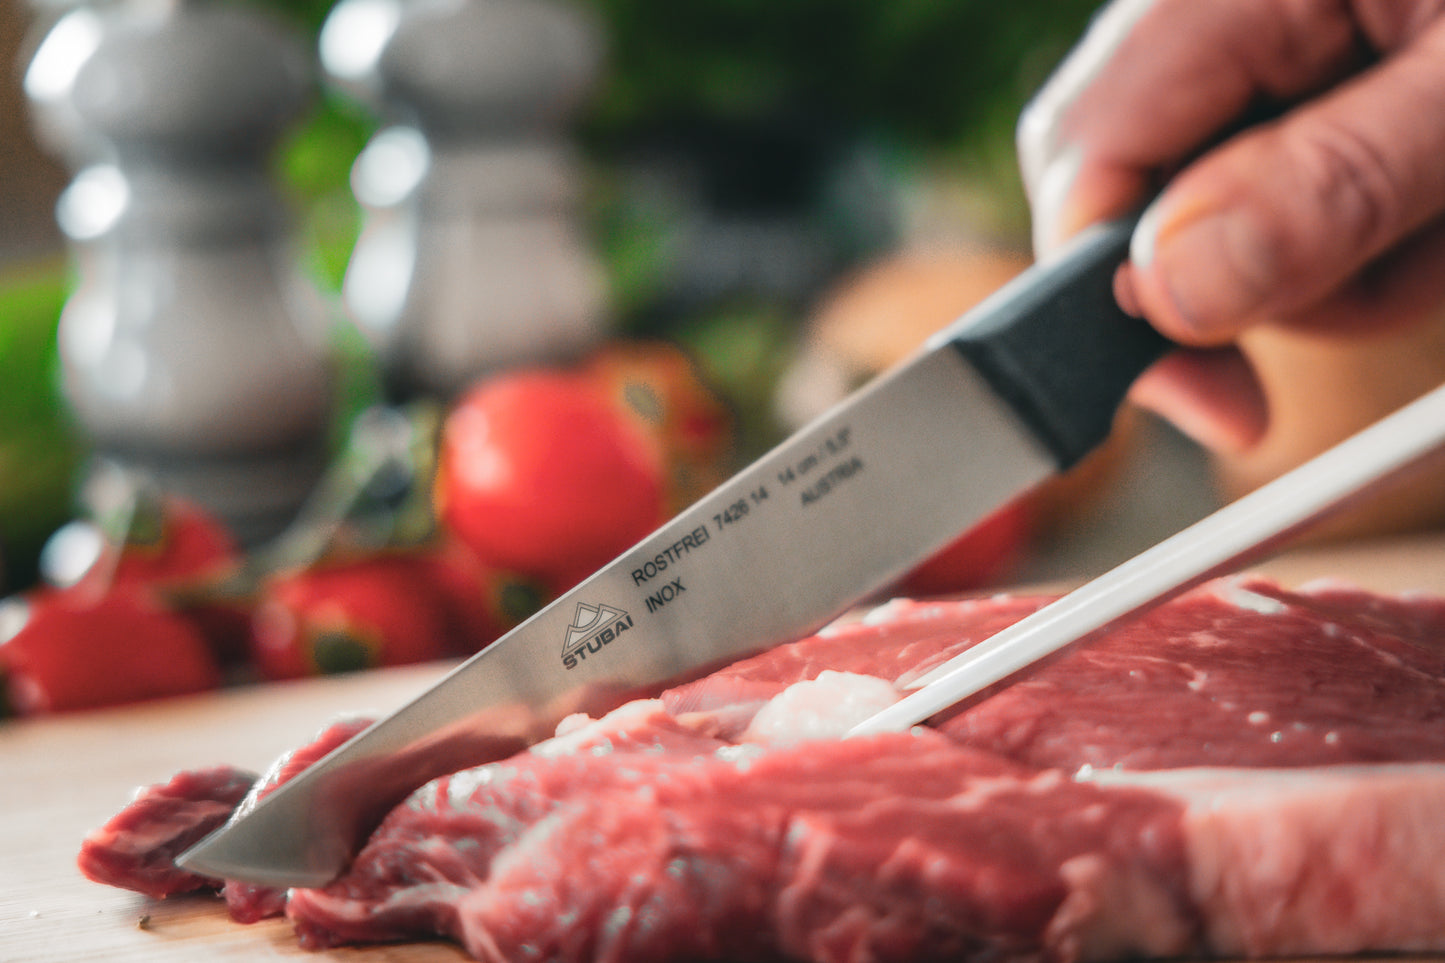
{"points": [[215, 857]]}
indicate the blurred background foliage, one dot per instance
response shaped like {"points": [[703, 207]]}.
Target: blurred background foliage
{"points": [[769, 88], [939, 73], [762, 102]]}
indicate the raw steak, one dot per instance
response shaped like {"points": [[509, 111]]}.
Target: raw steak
{"points": [[247, 902], [1181, 786], [439, 844], [1308, 862], [904, 847], [1239, 674], [136, 848]]}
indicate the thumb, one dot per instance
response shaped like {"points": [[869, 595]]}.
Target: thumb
{"points": [[1281, 216]]}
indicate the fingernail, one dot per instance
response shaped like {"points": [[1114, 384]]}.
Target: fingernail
{"points": [[1203, 262], [1050, 197], [1124, 293], [1146, 234]]}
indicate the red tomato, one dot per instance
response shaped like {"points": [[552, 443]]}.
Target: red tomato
{"points": [[982, 556], [171, 544], [660, 386], [538, 473], [180, 540], [71, 649], [342, 616], [168, 540]]}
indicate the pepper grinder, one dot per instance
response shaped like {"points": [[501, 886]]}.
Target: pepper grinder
{"points": [[471, 257], [62, 36], [192, 351]]}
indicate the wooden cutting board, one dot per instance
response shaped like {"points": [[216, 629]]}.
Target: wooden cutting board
{"points": [[62, 777]]}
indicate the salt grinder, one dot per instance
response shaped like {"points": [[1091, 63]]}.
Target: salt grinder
{"points": [[192, 351], [471, 258]]}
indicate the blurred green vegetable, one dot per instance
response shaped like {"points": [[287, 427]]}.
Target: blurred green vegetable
{"points": [[39, 450]]}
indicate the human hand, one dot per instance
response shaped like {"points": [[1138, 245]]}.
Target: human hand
{"points": [[1331, 217]]}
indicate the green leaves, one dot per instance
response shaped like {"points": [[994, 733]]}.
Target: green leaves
{"points": [[38, 449]]}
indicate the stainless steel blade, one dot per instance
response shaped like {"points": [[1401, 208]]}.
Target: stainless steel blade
{"points": [[839, 510], [1253, 526]]}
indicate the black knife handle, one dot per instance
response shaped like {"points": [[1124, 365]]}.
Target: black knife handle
{"points": [[1055, 345]]}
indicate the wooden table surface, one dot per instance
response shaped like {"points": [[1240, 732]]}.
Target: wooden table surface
{"points": [[62, 777]]}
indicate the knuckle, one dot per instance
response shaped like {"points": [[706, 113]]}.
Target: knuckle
{"points": [[1255, 258], [1344, 176]]}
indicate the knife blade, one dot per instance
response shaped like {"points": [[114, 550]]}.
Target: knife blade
{"points": [[1016, 390], [1245, 530]]}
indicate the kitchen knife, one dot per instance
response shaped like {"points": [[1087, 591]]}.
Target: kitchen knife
{"points": [[1245, 530], [1019, 388]]}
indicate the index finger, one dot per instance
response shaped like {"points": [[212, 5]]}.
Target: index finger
{"points": [[1154, 80]]}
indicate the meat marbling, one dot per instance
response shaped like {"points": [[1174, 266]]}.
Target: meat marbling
{"points": [[1189, 784]]}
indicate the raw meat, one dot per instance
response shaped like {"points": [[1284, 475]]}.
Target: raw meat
{"points": [[903, 847], [248, 902], [1239, 674], [898, 642], [137, 847], [439, 844], [1311, 862], [1180, 786]]}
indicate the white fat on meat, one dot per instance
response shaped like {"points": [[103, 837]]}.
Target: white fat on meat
{"points": [[1235, 593], [822, 708], [1328, 860]]}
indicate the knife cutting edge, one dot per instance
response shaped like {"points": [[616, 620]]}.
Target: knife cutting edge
{"points": [[1019, 388], [1247, 529]]}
